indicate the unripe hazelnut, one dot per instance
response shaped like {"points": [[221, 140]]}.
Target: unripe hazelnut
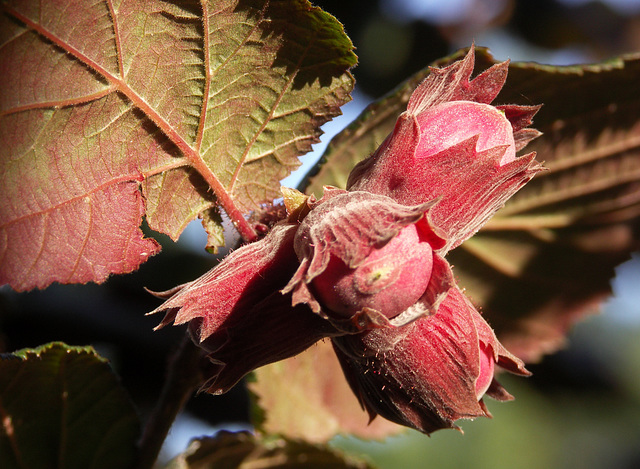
{"points": [[390, 280]]}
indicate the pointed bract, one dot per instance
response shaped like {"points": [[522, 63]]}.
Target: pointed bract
{"points": [[351, 234], [451, 144], [266, 332], [236, 313], [453, 83]]}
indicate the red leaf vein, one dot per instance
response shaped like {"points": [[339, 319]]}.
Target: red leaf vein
{"points": [[117, 36], [71, 200]]}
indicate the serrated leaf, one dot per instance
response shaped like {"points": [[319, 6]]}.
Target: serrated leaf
{"points": [[63, 407], [194, 103], [307, 397], [244, 451], [546, 258]]}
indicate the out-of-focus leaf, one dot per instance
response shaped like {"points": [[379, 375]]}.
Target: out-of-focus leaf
{"points": [[547, 257], [63, 407], [244, 451], [187, 103], [307, 397]]}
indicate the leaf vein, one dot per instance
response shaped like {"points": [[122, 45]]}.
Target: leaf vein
{"points": [[277, 102], [116, 37], [568, 193], [241, 44], [85, 241], [37, 257], [207, 75], [71, 200], [596, 152], [274, 150]]}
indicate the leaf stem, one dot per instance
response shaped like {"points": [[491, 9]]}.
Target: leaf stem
{"points": [[185, 374], [246, 230]]}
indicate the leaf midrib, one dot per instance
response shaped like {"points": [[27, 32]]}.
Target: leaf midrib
{"points": [[190, 153]]}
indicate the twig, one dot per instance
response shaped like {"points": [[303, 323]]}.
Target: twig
{"points": [[184, 376]]}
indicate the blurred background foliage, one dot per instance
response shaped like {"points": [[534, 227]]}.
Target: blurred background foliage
{"points": [[581, 408]]}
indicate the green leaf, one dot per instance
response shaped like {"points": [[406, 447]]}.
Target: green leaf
{"points": [[63, 407], [112, 111], [546, 258], [244, 451]]}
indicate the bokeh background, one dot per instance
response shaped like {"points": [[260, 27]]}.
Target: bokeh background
{"points": [[581, 408]]}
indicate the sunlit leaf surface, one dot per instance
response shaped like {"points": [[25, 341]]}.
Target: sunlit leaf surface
{"points": [[112, 111]]}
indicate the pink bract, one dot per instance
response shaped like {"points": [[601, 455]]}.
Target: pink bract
{"points": [[470, 179], [469, 119], [425, 375], [342, 237], [487, 368]]}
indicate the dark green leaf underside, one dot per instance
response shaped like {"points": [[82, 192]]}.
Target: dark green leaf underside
{"points": [[63, 407]]}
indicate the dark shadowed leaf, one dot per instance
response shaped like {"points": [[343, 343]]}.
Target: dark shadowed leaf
{"points": [[244, 451], [547, 257], [110, 112], [63, 407]]}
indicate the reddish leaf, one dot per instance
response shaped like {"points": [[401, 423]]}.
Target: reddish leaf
{"points": [[307, 397], [195, 103], [70, 219]]}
